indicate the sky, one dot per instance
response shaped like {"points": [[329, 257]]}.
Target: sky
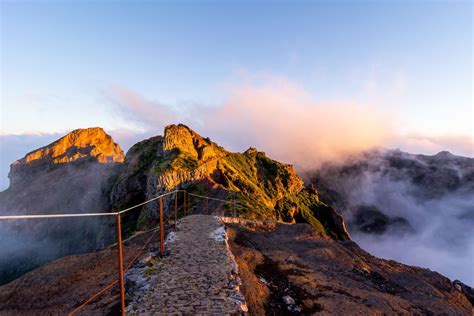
{"points": [[134, 66]]}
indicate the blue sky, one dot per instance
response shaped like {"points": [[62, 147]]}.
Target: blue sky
{"points": [[58, 57], [62, 61]]}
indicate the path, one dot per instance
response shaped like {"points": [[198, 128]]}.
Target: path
{"points": [[199, 276]]}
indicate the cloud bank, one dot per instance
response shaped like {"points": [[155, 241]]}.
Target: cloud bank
{"points": [[277, 116]]}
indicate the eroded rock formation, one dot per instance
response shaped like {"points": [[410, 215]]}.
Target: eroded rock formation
{"points": [[263, 187]]}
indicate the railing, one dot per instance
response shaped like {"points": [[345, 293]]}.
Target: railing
{"points": [[174, 216]]}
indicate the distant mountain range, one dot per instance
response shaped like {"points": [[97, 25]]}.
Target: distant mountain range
{"points": [[364, 185], [418, 209]]}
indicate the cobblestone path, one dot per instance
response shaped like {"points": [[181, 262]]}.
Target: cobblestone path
{"points": [[198, 277]]}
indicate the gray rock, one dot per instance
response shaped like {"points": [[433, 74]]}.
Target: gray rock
{"points": [[288, 300]]}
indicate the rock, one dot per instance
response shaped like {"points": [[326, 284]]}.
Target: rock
{"points": [[85, 171], [324, 278], [183, 159], [465, 289], [218, 234], [91, 144], [171, 237], [371, 220], [288, 300], [147, 260]]}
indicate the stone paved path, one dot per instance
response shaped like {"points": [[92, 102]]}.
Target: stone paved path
{"points": [[199, 277]]}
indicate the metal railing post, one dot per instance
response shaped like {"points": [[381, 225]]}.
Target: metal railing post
{"points": [[162, 230], [120, 262]]}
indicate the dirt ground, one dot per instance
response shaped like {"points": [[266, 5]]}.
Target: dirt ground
{"points": [[332, 278]]}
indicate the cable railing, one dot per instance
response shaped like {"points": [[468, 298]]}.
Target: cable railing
{"points": [[224, 207]]}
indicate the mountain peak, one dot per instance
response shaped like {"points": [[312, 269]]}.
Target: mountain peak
{"points": [[444, 154], [186, 141], [81, 144], [78, 144]]}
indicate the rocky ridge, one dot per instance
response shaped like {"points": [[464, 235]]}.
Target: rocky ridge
{"points": [[419, 178], [182, 159], [99, 178], [90, 144]]}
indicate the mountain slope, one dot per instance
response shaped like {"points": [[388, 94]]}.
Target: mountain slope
{"points": [[86, 171], [263, 187], [334, 277], [417, 209]]}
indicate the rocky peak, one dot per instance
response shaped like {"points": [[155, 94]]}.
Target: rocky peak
{"points": [[251, 151], [91, 144], [188, 142]]}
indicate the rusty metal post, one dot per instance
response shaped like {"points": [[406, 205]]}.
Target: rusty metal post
{"points": [[120, 262], [175, 209], [162, 230]]}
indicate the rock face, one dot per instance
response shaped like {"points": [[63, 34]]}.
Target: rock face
{"points": [[369, 219], [182, 159], [68, 175], [91, 145], [71, 175]]}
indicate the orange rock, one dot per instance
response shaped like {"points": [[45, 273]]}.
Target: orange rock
{"points": [[89, 143]]}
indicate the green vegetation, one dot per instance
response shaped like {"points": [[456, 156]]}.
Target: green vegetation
{"points": [[263, 188]]}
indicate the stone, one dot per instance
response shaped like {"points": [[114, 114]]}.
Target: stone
{"points": [[196, 276], [288, 300]]}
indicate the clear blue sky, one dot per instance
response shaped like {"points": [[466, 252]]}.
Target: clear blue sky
{"points": [[58, 57]]}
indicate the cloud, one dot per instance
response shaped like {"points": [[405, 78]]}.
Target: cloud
{"points": [[275, 115], [133, 108], [282, 118], [13, 147], [425, 144], [271, 113], [442, 238]]}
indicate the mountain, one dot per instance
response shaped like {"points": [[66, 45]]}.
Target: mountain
{"points": [[415, 208], [420, 177], [262, 187], [85, 171], [331, 277], [64, 176], [69, 175]]}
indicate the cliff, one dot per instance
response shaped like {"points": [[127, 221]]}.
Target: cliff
{"points": [[70, 175], [182, 159], [81, 145]]}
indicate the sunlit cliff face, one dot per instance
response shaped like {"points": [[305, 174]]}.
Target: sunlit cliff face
{"points": [[81, 143], [91, 144]]}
